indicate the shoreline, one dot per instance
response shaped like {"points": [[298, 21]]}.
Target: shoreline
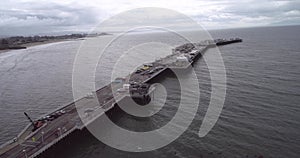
{"points": [[28, 45]]}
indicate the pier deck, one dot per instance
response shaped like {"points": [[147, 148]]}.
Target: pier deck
{"points": [[32, 143]]}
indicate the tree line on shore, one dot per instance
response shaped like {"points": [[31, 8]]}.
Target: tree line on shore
{"points": [[17, 42]]}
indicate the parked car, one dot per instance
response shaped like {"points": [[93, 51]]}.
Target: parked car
{"points": [[152, 71], [138, 71]]}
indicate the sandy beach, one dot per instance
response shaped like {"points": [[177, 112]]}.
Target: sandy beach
{"points": [[40, 43]]}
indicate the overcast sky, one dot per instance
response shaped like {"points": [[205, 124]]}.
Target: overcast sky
{"points": [[29, 17]]}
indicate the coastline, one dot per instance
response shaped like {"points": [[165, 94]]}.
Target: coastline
{"points": [[28, 45]]}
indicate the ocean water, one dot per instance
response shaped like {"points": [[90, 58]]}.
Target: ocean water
{"points": [[260, 117]]}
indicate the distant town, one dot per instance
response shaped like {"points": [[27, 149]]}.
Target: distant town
{"points": [[21, 42]]}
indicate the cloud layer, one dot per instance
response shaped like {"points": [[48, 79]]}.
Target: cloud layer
{"points": [[27, 17]]}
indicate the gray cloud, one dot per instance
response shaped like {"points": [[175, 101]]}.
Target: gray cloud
{"points": [[34, 17], [253, 13], [263, 8], [37, 18]]}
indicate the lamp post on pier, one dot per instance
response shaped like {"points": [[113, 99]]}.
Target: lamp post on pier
{"points": [[59, 129], [43, 136], [24, 151]]}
